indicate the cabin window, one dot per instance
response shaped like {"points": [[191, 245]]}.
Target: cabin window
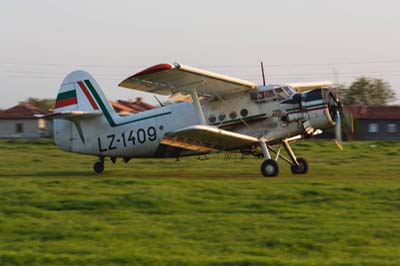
{"points": [[233, 115], [373, 128], [19, 128], [212, 119], [253, 96], [221, 117], [244, 112], [391, 128]]}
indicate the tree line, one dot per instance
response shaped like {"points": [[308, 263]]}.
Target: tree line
{"points": [[366, 91]]}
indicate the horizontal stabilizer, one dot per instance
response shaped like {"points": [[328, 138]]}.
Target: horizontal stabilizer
{"points": [[207, 138], [71, 115]]}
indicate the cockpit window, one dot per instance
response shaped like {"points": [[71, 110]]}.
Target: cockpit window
{"points": [[294, 100], [280, 92], [289, 91], [314, 95], [269, 94], [262, 96]]}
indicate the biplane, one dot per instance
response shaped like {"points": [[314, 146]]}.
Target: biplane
{"points": [[220, 113]]}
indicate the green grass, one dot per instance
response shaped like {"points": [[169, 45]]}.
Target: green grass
{"points": [[55, 211]]}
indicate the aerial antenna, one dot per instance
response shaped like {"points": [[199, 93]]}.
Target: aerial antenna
{"points": [[262, 71], [335, 75]]}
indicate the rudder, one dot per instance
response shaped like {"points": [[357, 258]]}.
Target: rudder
{"points": [[80, 91]]}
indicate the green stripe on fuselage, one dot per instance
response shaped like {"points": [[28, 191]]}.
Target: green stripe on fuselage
{"points": [[66, 95], [315, 105], [249, 118], [306, 107]]}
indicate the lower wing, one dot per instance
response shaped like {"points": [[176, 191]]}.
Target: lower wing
{"points": [[202, 138]]}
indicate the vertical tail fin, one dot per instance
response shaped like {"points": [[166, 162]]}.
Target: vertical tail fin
{"points": [[79, 91]]}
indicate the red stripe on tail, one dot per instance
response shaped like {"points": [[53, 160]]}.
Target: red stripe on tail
{"points": [[66, 102], [88, 96]]}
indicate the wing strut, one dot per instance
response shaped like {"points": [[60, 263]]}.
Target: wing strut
{"points": [[197, 106]]}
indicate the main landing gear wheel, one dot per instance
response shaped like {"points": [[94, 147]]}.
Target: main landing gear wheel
{"points": [[269, 168], [302, 168], [98, 167]]}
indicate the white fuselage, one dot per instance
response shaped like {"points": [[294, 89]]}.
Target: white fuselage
{"points": [[140, 134], [136, 135]]}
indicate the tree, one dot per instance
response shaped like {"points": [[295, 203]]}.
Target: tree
{"points": [[339, 91], [367, 91], [42, 104]]}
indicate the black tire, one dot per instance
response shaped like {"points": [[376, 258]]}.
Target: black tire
{"points": [[302, 168], [98, 167], [269, 168]]}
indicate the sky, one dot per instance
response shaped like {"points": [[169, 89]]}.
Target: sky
{"points": [[300, 40]]}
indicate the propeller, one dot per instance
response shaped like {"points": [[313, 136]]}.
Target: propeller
{"points": [[349, 121], [340, 116], [336, 108], [338, 130]]}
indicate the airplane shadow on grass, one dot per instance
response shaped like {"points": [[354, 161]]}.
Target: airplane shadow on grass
{"points": [[51, 174]]}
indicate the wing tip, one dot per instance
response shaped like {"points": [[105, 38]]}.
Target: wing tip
{"points": [[150, 70], [153, 69]]}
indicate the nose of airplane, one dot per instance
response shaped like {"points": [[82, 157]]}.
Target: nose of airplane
{"points": [[335, 108], [323, 95], [333, 102]]}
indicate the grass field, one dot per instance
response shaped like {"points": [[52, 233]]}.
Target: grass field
{"points": [[55, 211]]}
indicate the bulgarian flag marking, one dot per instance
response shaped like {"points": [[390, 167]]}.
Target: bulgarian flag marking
{"points": [[66, 98]]}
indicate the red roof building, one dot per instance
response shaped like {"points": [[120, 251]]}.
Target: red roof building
{"points": [[21, 121], [130, 106], [391, 112], [21, 111], [120, 108], [376, 122]]}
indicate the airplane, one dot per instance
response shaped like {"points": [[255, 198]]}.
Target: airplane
{"points": [[224, 114]]}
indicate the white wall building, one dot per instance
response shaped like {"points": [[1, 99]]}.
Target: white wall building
{"points": [[20, 122]]}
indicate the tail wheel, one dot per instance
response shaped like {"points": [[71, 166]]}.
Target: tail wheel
{"points": [[269, 168], [98, 167], [302, 168]]}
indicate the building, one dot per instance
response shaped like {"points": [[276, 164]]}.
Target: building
{"points": [[21, 121], [136, 106], [375, 122]]}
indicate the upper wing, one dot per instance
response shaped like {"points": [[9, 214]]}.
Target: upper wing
{"points": [[305, 86], [206, 138], [168, 79]]}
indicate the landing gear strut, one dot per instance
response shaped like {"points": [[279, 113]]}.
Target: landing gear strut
{"points": [[98, 167], [270, 166]]}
